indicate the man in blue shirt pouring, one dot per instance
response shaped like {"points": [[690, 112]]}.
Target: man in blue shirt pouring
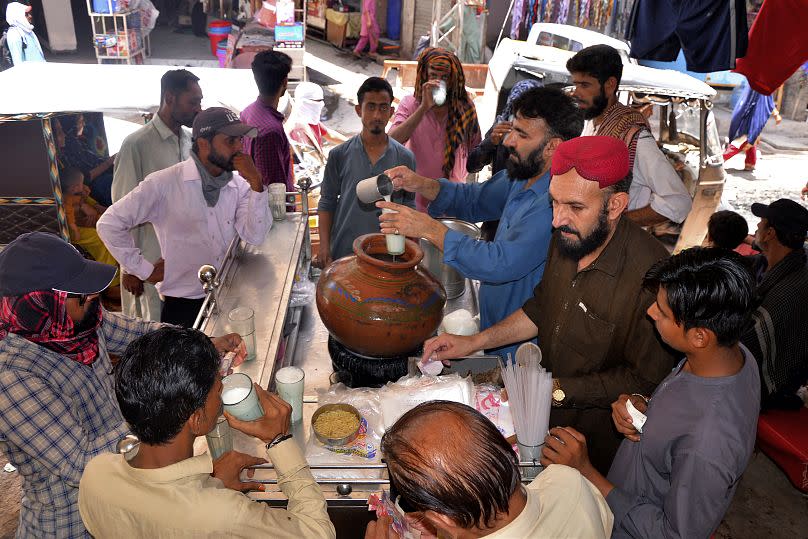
{"points": [[509, 267]]}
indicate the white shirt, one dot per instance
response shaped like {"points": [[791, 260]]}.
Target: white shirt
{"points": [[190, 233], [560, 503], [655, 182]]}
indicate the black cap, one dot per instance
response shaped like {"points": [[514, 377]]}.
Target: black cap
{"points": [[42, 261], [784, 214], [217, 120]]}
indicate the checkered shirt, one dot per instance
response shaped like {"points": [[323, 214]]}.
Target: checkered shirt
{"points": [[55, 415]]}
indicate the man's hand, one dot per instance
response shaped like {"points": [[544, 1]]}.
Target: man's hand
{"points": [[277, 415], [158, 273], [132, 284], [448, 346], [567, 446], [323, 257], [412, 223], [404, 178], [232, 342], [381, 529], [500, 131], [805, 191], [622, 419], [247, 169], [228, 468], [427, 101]]}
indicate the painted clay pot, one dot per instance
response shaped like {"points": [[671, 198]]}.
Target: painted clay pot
{"points": [[376, 307]]}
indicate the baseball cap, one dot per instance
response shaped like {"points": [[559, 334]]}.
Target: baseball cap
{"points": [[217, 120], [783, 214], [41, 261], [598, 159]]}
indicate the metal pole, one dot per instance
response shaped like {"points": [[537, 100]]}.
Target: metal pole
{"points": [[508, 14]]}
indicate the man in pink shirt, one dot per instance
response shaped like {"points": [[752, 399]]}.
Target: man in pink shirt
{"points": [[196, 208], [439, 123]]}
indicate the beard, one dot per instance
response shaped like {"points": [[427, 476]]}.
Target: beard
{"points": [[221, 161], [90, 317], [599, 104], [376, 130], [530, 167], [585, 245]]}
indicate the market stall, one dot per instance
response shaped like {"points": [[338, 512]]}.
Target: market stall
{"points": [[272, 280]]}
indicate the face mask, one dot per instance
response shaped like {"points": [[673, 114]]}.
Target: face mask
{"points": [[309, 111]]}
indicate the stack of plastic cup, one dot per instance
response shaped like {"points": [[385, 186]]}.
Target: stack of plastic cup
{"points": [[277, 201]]}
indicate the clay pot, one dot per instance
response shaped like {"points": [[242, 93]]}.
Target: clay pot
{"points": [[378, 308]]}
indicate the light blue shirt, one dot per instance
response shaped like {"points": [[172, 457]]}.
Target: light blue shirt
{"points": [[509, 267], [32, 51]]}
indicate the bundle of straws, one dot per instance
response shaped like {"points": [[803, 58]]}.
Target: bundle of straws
{"points": [[530, 389]]}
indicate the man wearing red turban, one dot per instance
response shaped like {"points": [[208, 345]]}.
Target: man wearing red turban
{"points": [[589, 310]]}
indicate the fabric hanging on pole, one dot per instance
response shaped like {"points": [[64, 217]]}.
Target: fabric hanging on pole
{"points": [[517, 17], [777, 45], [563, 11], [712, 33]]}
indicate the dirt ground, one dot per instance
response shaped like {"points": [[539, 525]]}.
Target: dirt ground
{"points": [[10, 492]]}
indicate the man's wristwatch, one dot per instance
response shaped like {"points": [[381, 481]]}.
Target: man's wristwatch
{"points": [[277, 439], [558, 393]]}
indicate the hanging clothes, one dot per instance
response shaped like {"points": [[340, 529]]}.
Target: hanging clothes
{"points": [[517, 16], [712, 33], [750, 115], [777, 45]]}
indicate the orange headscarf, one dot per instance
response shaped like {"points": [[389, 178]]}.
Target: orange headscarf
{"points": [[462, 124]]}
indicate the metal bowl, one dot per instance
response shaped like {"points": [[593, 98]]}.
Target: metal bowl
{"points": [[335, 442]]}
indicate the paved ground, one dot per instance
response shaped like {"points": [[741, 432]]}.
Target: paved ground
{"points": [[765, 504]]}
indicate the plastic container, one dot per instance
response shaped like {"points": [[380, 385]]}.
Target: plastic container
{"points": [[221, 53], [217, 32]]}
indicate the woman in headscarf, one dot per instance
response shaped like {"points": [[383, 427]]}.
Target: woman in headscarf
{"points": [[22, 41], [304, 125], [79, 153], [491, 151]]}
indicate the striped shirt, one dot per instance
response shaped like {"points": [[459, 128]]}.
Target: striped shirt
{"points": [[55, 415]]}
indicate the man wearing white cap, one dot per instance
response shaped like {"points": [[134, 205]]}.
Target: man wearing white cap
{"points": [[196, 207]]}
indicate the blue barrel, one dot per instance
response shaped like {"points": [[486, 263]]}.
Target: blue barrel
{"points": [[394, 19]]}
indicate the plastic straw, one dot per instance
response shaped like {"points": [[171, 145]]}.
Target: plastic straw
{"points": [[529, 388]]}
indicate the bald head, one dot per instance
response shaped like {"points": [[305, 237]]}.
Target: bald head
{"points": [[448, 458]]}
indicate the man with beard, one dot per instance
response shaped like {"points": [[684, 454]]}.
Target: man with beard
{"points": [[158, 145], [511, 265], [589, 310], [196, 207], [656, 194], [343, 217]]}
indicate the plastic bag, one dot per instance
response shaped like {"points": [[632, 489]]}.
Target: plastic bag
{"points": [[303, 292], [398, 398], [148, 14], [363, 450], [488, 401]]}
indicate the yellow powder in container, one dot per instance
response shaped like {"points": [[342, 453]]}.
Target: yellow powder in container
{"points": [[336, 424]]}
